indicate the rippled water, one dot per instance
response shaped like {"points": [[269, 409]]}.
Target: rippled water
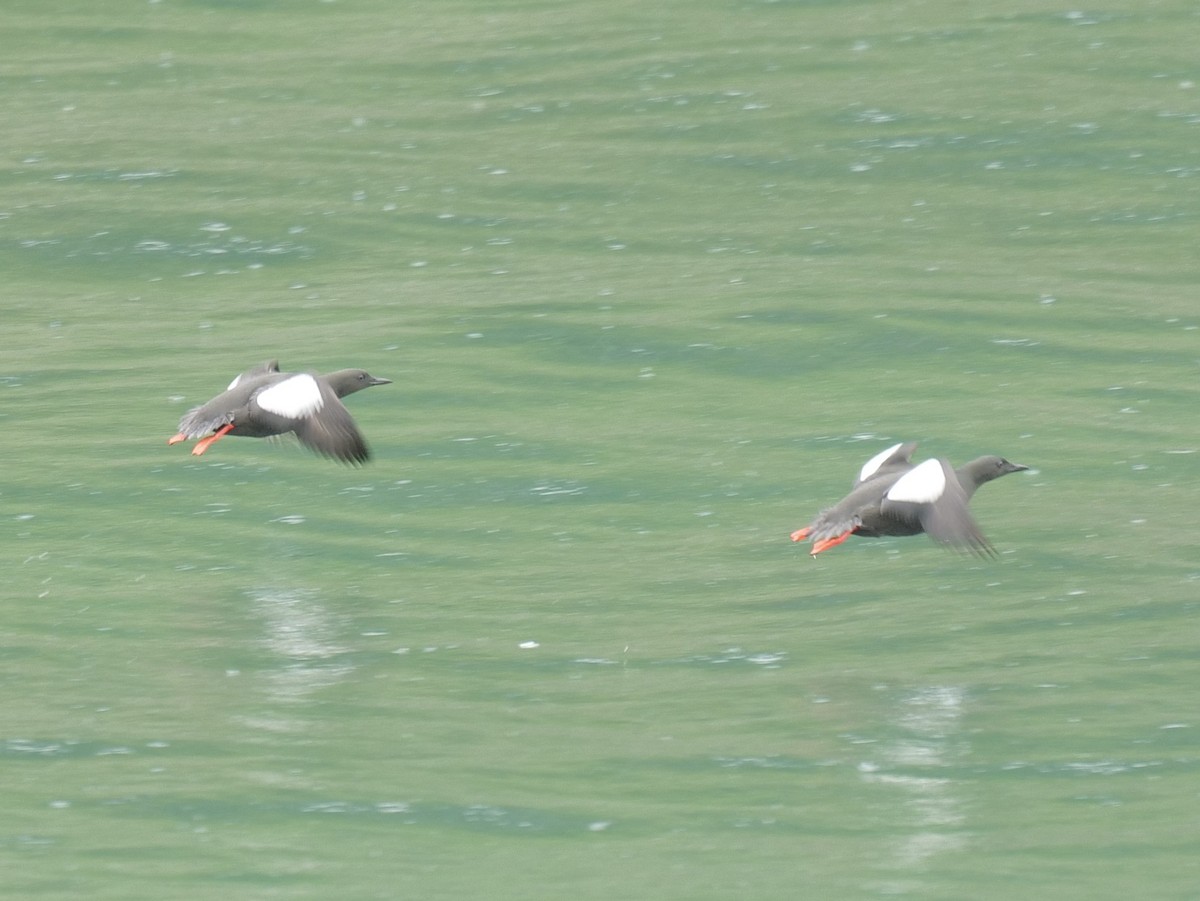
{"points": [[652, 282]]}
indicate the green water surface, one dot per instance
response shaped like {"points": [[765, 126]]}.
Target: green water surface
{"points": [[652, 281]]}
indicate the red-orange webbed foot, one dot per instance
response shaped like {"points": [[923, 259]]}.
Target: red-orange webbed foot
{"points": [[176, 438], [800, 534], [202, 446], [826, 543]]}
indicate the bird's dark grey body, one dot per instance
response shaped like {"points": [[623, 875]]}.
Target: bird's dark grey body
{"points": [[263, 401], [896, 498]]}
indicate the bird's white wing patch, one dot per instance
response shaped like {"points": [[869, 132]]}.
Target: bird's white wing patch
{"points": [[872, 466], [923, 484], [298, 396]]}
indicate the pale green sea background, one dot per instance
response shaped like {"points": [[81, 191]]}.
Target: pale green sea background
{"points": [[652, 280]]}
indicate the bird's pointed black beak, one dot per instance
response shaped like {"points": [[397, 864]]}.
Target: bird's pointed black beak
{"points": [[375, 380]]}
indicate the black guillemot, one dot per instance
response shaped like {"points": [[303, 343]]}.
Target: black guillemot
{"points": [[891, 496], [263, 401]]}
